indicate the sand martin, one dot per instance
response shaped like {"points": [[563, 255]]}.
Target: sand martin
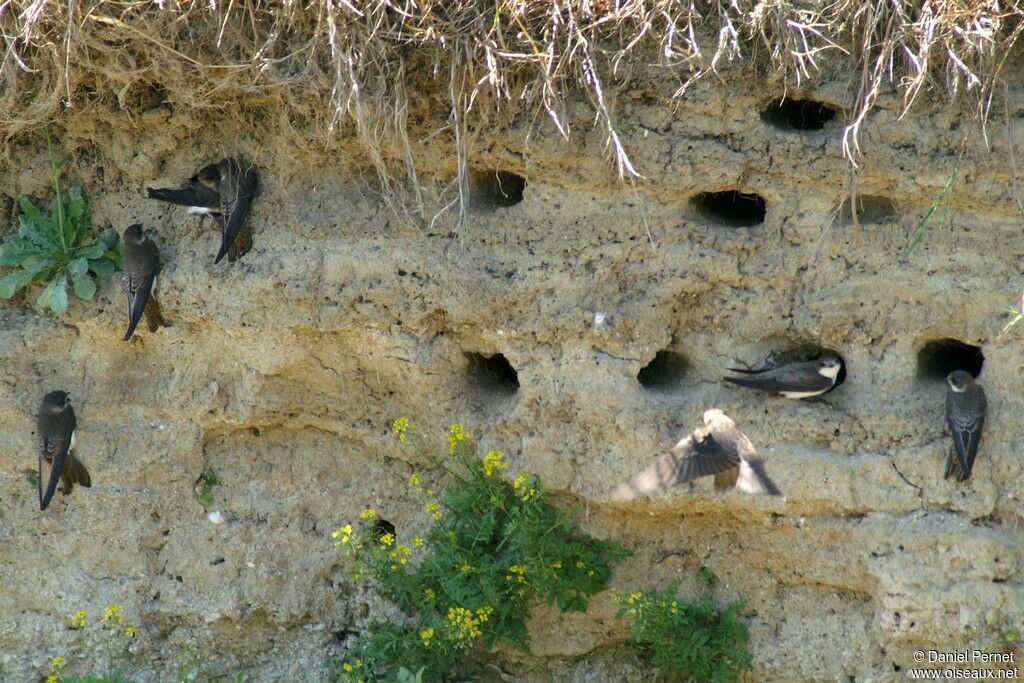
{"points": [[224, 190], [141, 271], [965, 413], [56, 427], [795, 380], [718, 448]]}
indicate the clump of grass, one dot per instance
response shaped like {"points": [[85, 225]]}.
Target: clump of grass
{"points": [[496, 548], [203, 489], [56, 245], [688, 640], [355, 63]]}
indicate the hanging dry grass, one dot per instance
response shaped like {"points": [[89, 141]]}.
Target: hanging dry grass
{"points": [[351, 62]]}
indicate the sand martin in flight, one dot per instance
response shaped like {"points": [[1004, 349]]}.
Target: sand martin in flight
{"points": [[718, 448]]}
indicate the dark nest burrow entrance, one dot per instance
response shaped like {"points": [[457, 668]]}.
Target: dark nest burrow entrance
{"points": [[490, 189], [798, 115], [939, 357], [871, 210], [491, 376], [731, 209], [664, 373]]}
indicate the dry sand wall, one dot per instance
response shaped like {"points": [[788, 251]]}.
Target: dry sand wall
{"points": [[283, 372]]}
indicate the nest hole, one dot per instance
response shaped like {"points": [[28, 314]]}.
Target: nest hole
{"points": [[732, 209], [871, 210], [798, 115], [382, 527], [492, 375], [938, 358], [492, 189], [664, 373]]}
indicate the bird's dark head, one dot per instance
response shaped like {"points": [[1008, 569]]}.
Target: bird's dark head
{"points": [[828, 360], [133, 234], [56, 401], [959, 381], [208, 176], [829, 365]]}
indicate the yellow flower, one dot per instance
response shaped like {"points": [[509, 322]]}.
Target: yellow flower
{"points": [[401, 553], [57, 663], [434, 508], [520, 481], [344, 534], [348, 667], [113, 613], [368, 514], [580, 564], [493, 463], [483, 613], [426, 634], [78, 619], [556, 565], [466, 626], [387, 539], [429, 594], [466, 568], [418, 542], [130, 631], [52, 679], [456, 435], [633, 599], [402, 426], [414, 480], [517, 573]]}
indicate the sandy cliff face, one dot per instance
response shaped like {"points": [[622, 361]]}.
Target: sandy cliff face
{"points": [[283, 372]]}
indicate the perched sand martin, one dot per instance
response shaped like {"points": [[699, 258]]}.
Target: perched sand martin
{"points": [[224, 190], [965, 413], [56, 427], [718, 448], [141, 274], [795, 380]]}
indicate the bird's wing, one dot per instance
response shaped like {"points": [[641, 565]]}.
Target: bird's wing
{"points": [[192, 193], [237, 189], [798, 377], [966, 437], [54, 451], [139, 288], [754, 479], [696, 455]]}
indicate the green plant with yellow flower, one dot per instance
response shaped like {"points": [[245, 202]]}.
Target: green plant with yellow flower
{"points": [[495, 549], [688, 640], [113, 636]]}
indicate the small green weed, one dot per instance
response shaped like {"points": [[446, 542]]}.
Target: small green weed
{"points": [[688, 640], [50, 247], [496, 548], [943, 202], [203, 490]]}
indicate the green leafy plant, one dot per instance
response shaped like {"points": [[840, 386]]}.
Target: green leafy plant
{"points": [[56, 245], [203, 490], [496, 548], [688, 640]]}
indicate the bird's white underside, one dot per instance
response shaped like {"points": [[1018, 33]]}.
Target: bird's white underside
{"points": [[803, 394], [200, 209], [955, 390], [71, 448]]}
